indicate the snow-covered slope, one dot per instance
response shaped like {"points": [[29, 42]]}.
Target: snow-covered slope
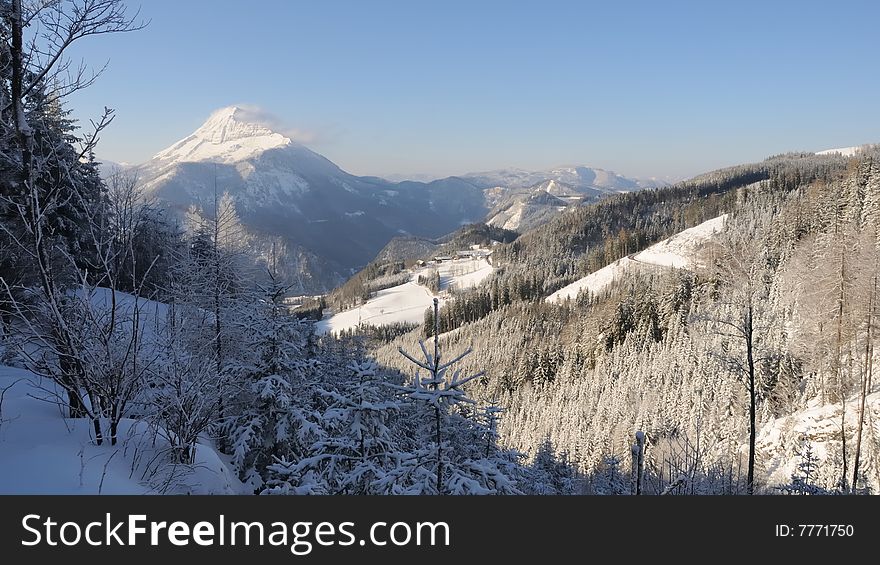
{"points": [[595, 282], [676, 251], [524, 212], [42, 452], [335, 220], [845, 151], [225, 137], [555, 187], [462, 273], [407, 303], [780, 442], [510, 218]]}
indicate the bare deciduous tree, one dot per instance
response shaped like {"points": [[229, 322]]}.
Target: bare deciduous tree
{"points": [[741, 293], [49, 175]]}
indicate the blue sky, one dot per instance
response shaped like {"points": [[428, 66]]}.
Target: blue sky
{"points": [[666, 89]]}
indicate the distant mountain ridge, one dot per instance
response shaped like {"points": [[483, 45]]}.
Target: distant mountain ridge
{"points": [[579, 177], [523, 200], [335, 222]]}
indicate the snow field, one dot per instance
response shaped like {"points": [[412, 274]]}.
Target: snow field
{"points": [[407, 303], [676, 252], [780, 440], [43, 452]]}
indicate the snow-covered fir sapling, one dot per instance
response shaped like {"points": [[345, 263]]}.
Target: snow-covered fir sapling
{"points": [[551, 473], [608, 480], [273, 413], [803, 478], [358, 446], [436, 391], [454, 461], [489, 416]]}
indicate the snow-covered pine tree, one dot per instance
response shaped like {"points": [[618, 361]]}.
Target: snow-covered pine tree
{"points": [[149, 240], [448, 459], [214, 276], [804, 477], [358, 447], [607, 478], [488, 418], [49, 188], [271, 415], [550, 474], [871, 210]]}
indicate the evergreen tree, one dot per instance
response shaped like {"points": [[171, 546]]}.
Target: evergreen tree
{"points": [[358, 447], [804, 477], [271, 415], [448, 464]]}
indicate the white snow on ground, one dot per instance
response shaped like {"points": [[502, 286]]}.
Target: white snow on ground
{"points": [[43, 453], [407, 303], [676, 251], [595, 282], [844, 151], [152, 316], [465, 273], [779, 441]]}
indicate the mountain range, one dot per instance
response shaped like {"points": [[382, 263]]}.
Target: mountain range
{"points": [[335, 222]]}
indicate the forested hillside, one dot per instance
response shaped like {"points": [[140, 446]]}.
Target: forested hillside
{"points": [[167, 348], [148, 349], [789, 286]]}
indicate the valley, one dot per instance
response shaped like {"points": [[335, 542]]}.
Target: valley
{"points": [[284, 280], [329, 221]]}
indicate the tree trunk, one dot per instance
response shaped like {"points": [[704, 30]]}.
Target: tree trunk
{"points": [[752, 402], [841, 388], [634, 469], [75, 405], [99, 435], [17, 54], [437, 418], [439, 451], [640, 461], [218, 340], [866, 378], [218, 353], [114, 425]]}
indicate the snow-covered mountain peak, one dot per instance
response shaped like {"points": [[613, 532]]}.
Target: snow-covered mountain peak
{"points": [[228, 136], [231, 124]]}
